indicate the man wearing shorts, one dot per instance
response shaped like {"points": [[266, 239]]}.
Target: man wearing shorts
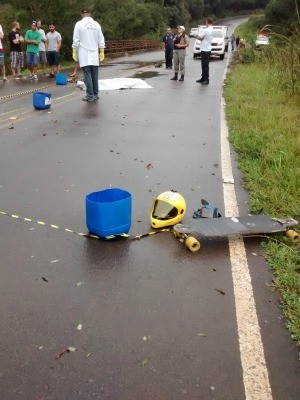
{"points": [[33, 39], [42, 47], [2, 65], [16, 54], [53, 46]]}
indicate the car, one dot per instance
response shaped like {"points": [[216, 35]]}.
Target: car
{"points": [[219, 44], [193, 32], [261, 40]]}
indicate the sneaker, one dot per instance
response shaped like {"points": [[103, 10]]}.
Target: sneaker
{"points": [[96, 97], [205, 83], [50, 76], [88, 99], [35, 77], [31, 76], [4, 79], [199, 80]]}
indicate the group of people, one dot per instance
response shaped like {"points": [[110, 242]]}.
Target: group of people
{"points": [[87, 50], [175, 50], [234, 41], [41, 48]]}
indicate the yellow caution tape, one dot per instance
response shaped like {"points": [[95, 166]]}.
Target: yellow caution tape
{"points": [[26, 92], [88, 235]]}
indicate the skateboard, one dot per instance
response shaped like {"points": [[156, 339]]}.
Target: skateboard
{"points": [[222, 227]]}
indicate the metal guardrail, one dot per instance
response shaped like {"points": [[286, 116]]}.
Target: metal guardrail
{"points": [[126, 46]]}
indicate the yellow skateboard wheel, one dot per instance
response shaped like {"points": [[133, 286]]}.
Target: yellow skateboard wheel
{"points": [[293, 235], [192, 244]]}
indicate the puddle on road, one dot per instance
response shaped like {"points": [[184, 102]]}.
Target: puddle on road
{"points": [[145, 74]]}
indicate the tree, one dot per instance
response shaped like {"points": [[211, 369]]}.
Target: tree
{"points": [[283, 13], [195, 8]]}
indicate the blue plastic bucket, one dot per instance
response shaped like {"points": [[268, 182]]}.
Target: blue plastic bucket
{"points": [[108, 212], [41, 100], [61, 79]]}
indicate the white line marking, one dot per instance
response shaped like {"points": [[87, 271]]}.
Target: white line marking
{"points": [[255, 372]]}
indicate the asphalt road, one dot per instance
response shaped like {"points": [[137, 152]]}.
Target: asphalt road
{"points": [[154, 321]]}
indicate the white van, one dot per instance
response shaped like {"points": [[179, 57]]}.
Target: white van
{"points": [[219, 45]]}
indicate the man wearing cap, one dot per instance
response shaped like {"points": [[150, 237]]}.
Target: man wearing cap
{"points": [[88, 39], [181, 42], [33, 39], [206, 37]]}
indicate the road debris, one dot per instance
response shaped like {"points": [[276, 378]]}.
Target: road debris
{"points": [[144, 362], [45, 279], [220, 291], [67, 350]]}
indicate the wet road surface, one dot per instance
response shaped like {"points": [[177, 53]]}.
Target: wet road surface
{"points": [[155, 321]]}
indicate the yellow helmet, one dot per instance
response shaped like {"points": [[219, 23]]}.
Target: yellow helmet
{"points": [[167, 209]]}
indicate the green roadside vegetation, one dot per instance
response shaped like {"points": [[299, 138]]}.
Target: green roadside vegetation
{"points": [[262, 94]]}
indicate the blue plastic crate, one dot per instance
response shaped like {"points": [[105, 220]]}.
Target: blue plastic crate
{"points": [[41, 100], [61, 79], [108, 212]]}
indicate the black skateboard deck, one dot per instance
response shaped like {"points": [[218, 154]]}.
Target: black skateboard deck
{"points": [[220, 227], [251, 225]]}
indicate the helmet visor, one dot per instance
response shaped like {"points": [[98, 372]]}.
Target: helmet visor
{"points": [[163, 210]]}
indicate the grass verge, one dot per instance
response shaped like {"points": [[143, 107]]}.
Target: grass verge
{"points": [[263, 118]]}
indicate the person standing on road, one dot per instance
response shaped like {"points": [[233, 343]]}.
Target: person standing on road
{"points": [[33, 39], [42, 47], [16, 54], [2, 65], [181, 42], [168, 41], [87, 40], [206, 37], [232, 42], [53, 45], [237, 42]]}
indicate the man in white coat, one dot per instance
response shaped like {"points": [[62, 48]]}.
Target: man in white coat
{"points": [[88, 39]]}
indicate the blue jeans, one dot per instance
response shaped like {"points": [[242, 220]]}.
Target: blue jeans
{"points": [[90, 73], [32, 59]]}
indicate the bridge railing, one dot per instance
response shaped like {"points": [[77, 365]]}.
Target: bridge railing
{"points": [[127, 46]]}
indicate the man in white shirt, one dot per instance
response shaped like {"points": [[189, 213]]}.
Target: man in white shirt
{"points": [[206, 37], [42, 47], [87, 40]]}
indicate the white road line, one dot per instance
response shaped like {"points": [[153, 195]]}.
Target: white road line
{"points": [[255, 372]]}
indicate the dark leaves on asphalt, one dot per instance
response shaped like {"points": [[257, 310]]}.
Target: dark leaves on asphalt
{"points": [[220, 291]]}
